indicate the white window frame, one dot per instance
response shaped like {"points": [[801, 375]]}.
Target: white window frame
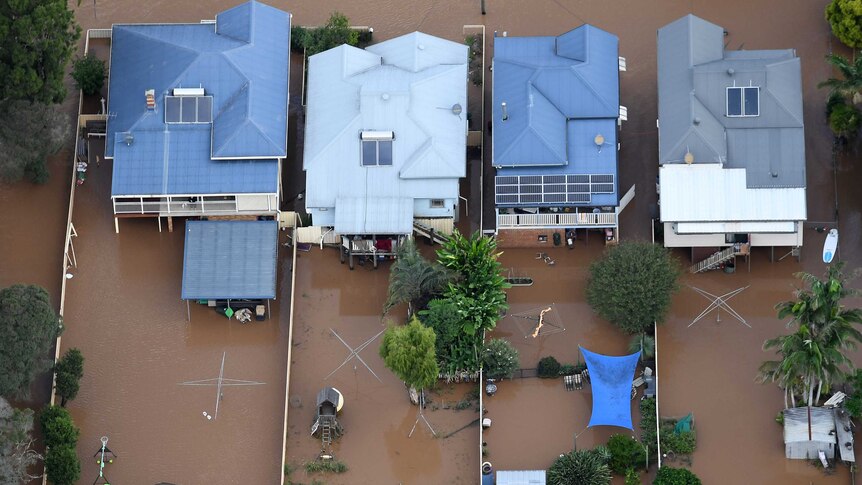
{"points": [[741, 102], [376, 137], [438, 203]]}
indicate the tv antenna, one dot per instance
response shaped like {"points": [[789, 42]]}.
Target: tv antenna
{"points": [[220, 382]]}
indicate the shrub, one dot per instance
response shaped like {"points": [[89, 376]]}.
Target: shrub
{"points": [[568, 369], [626, 453], [62, 465], [844, 120], [334, 33], [413, 279], [845, 18], [548, 367], [500, 359], [89, 74], [632, 477], [455, 351], [325, 466], [69, 370], [682, 443], [632, 285], [675, 476], [647, 425], [58, 428], [408, 351], [580, 467]]}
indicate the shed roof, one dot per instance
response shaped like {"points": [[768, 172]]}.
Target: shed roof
{"points": [[560, 92], [230, 260], [694, 72], [241, 60], [521, 477], [809, 424], [408, 85]]}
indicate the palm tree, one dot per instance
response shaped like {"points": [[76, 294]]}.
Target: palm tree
{"points": [[850, 85], [414, 280], [814, 356]]}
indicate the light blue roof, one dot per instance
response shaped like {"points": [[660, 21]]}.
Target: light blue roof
{"points": [[560, 92], [242, 61], [409, 86], [175, 162], [230, 260]]}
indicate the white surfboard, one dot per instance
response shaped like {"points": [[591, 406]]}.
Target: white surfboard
{"points": [[830, 245]]}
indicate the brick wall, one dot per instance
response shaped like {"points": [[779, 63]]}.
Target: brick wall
{"points": [[528, 238]]}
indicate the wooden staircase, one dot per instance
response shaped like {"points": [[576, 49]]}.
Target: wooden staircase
{"points": [[714, 260], [430, 233], [326, 433]]}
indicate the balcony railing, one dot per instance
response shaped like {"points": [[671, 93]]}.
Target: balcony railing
{"points": [[183, 206], [564, 219]]}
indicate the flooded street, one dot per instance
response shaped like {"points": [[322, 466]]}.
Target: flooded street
{"points": [[123, 309]]}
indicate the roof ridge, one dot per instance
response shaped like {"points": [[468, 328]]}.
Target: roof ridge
{"points": [[332, 140], [262, 132], [512, 145], [589, 86], [774, 97]]}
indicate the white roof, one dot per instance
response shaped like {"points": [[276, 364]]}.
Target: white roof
{"points": [[710, 193]]}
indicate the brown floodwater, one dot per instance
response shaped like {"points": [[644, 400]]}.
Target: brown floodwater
{"points": [[124, 312]]}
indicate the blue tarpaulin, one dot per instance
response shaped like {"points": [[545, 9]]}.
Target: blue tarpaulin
{"points": [[611, 379]]}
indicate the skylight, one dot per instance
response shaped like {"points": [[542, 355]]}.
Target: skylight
{"points": [[743, 101], [188, 109], [376, 148]]}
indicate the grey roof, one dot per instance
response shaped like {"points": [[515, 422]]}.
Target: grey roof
{"points": [[796, 425], [407, 85], [230, 260], [694, 71], [521, 477]]}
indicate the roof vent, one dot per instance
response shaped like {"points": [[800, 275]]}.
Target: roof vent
{"points": [[730, 71], [129, 138], [505, 111], [421, 47], [384, 96], [688, 158], [696, 120]]}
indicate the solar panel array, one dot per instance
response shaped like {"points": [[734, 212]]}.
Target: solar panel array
{"points": [[188, 109], [551, 189]]}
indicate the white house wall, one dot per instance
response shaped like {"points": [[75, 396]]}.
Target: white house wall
{"points": [[674, 240]]}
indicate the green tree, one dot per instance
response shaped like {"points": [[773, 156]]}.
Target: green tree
{"points": [[675, 476], [844, 120], [499, 359], [814, 355], [38, 38], [580, 467], [62, 465], [479, 292], [455, 351], [16, 440], [89, 74], [69, 371], [408, 351], [632, 285], [849, 85], [414, 280], [334, 33], [29, 133], [28, 330], [845, 18], [57, 427], [632, 477], [626, 453]]}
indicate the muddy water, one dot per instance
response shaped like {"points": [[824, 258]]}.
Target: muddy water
{"points": [[534, 420], [123, 311], [377, 416]]}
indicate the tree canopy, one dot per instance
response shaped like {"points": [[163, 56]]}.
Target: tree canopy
{"points": [[580, 467], [675, 476], [62, 465], [89, 74], [334, 33], [499, 359], [29, 133], [38, 38], [408, 351], [69, 370], [413, 279], [632, 285], [845, 18], [16, 455], [28, 329]]}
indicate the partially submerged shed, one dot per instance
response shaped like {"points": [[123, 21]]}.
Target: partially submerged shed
{"points": [[230, 260], [809, 431], [521, 477]]}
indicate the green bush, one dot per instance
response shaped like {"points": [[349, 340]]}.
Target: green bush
{"points": [[548, 367], [844, 120], [69, 370], [408, 351], [683, 443], [89, 74], [334, 33], [58, 428], [580, 467], [568, 369], [632, 477], [62, 465], [626, 453], [499, 359], [845, 18], [455, 351], [647, 425], [328, 466], [675, 476]]}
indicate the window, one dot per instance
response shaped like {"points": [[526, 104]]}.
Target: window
{"points": [[376, 148], [437, 203], [743, 101], [188, 109]]}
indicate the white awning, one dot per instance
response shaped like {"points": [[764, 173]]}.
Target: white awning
{"points": [[734, 227], [710, 193]]}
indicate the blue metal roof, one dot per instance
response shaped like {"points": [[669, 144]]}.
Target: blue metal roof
{"points": [[175, 162], [560, 92], [242, 61], [230, 260]]}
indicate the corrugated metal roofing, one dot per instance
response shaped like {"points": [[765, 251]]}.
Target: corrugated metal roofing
{"points": [[230, 260], [407, 85], [521, 477], [241, 61], [796, 425], [708, 192], [560, 92], [175, 162], [694, 72], [374, 215]]}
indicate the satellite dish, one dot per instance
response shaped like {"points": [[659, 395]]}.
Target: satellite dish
{"points": [[599, 140], [688, 158], [456, 109]]}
